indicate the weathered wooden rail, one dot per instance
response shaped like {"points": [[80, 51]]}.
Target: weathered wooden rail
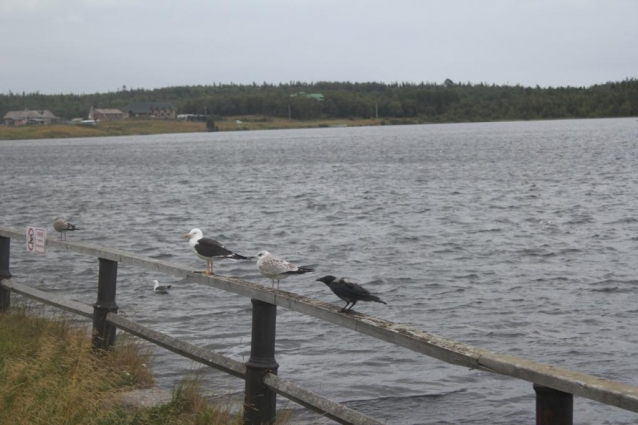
{"points": [[554, 387]]}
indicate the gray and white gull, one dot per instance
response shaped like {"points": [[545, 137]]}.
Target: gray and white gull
{"points": [[62, 226], [275, 268]]}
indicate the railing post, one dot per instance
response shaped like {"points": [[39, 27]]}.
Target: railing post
{"points": [[260, 406], [5, 294], [553, 407], [104, 332]]}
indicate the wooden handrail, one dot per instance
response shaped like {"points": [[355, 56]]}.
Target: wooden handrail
{"points": [[285, 388], [48, 298], [576, 383]]}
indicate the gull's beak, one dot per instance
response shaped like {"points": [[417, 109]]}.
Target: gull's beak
{"points": [[187, 235]]}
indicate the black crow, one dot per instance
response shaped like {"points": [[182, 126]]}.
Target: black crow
{"points": [[349, 291]]}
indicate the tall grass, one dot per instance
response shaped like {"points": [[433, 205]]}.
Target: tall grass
{"points": [[102, 129], [188, 406], [50, 375]]}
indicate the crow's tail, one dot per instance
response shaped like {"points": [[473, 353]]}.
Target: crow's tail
{"points": [[375, 299]]}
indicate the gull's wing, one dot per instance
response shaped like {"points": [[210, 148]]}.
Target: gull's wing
{"points": [[208, 247]]}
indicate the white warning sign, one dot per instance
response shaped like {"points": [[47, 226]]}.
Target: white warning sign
{"points": [[36, 240]]}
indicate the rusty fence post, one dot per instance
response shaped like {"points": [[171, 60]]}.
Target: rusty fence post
{"points": [[103, 332], [553, 407], [5, 294], [260, 403]]}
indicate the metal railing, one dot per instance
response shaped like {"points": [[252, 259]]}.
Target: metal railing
{"points": [[554, 386]]}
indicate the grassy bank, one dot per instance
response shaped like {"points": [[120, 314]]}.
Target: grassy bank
{"points": [[102, 129], [142, 127], [49, 375]]}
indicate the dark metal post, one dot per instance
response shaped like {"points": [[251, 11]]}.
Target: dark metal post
{"points": [[260, 406], [5, 294], [103, 332], [553, 407]]}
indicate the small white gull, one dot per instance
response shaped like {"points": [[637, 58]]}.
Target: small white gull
{"points": [[208, 249], [63, 226], [160, 289], [276, 268]]}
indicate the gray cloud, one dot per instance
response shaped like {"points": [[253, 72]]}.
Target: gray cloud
{"points": [[99, 45]]}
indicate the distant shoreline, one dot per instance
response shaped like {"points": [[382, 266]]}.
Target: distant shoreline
{"points": [[246, 123], [130, 127]]}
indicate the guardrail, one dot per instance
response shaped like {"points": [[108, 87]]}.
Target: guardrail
{"points": [[554, 386]]}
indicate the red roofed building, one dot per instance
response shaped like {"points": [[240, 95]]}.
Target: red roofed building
{"points": [[106, 114]]}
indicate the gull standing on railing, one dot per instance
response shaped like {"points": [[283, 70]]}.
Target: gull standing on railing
{"points": [[208, 249], [275, 268], [63, 226]]}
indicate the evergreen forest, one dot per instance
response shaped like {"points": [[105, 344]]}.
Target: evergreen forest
{"points": [[424, 102]]}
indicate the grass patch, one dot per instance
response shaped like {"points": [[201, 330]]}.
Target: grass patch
{"points": [[187, 406], [50, 375], [102, 129]]}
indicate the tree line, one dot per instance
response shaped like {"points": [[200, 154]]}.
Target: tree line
{"points": [[424, 102]]}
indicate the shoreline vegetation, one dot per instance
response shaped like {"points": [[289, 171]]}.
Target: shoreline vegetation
{"points": [[235, 107], [49, 374]]}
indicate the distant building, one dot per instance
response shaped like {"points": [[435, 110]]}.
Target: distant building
{"points": [[192, 117], [316, 96], [151, 110], [27, 117], [106, 114]]}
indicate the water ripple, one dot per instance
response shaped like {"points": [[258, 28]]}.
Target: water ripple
{"points": [[518, 237]]}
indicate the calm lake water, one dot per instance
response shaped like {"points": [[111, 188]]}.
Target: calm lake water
{"points": [[518, 237]]}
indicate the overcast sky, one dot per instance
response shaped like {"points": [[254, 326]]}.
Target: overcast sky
{"points": [[87, 46]]}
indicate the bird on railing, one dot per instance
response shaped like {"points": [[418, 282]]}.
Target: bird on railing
{"points": [[276, 269], [349, 291], [160, 289], [208, 249], [63, 226]]}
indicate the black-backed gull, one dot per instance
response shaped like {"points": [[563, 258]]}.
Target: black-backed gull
{"points": [[208, 249]]}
